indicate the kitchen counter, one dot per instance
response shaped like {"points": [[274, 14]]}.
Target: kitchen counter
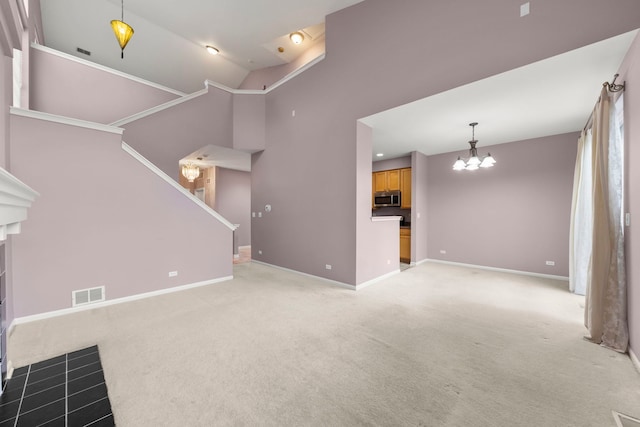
{"points": [[386, 218]]}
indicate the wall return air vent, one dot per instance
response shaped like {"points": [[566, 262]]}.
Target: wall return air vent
{"points": [[87, 296]]}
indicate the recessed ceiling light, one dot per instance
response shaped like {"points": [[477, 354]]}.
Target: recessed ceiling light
{"points": [[296, 37], [212, 50], [379, 154]]}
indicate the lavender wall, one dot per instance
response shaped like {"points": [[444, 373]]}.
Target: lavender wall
{"points": [[169, 135], [106, 220], [6, 92], [419, 207], [514, 215], [387, 164], [6, 98], [630, 72], [35, 20], [310, 157], [248, 122], [233, 201], [70, 88], [378, 243], [266, 77], [307, 174]]}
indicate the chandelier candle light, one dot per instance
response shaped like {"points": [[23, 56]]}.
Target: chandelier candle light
{"points": [[190, 171], [474, 161]]}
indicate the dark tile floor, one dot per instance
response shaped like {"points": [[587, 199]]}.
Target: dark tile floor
{"points": [[68, 390]]}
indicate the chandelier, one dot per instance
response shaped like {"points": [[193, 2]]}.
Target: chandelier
{"points": [[474, 161], [122, 30], [190, 171]]}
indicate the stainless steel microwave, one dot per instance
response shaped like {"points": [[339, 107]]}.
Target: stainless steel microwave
{"points": [[386, 198]]}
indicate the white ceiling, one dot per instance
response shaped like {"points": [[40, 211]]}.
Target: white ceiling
{"points": [[213, 155], [549, 97], [168, 46]]}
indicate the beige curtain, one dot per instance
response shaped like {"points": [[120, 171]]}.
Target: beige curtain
{"points": [[605, 304]]}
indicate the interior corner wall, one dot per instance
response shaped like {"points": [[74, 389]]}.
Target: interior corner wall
{"points": [[377, 243], [630, 74], [266, 77], [169, 135], [514, 215], [233, 201], [419, 207]]}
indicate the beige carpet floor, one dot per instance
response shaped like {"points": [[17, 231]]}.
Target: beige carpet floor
{"points": [[436, 345]]}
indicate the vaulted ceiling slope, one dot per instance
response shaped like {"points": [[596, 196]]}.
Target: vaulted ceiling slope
{"points": [[168, 45]]}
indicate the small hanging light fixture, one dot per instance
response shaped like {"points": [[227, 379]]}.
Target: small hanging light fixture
{"points": [[190, 171], [474, 161], [122, 30]]}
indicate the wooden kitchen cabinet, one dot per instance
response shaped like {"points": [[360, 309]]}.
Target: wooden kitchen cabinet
{"points": [[405, 245], [405, 188], [386, 180]]}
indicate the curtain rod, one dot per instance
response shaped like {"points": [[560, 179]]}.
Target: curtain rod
{"points": [[611, 87]]}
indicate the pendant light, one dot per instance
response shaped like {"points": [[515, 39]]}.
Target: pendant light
{"points": [[474, 161], [122, 30]]}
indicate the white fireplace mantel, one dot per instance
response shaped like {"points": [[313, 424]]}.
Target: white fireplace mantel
{"points": [[15, 198]]}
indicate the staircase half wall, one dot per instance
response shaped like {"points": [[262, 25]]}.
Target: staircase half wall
{"points": [[104, 219]]}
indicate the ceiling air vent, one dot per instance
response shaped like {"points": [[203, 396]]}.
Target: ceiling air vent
{"points": [[87, 296], [81, 50]]}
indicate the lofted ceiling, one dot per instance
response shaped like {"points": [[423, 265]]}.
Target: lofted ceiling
{"points": [[545, 98], [168, 45]]}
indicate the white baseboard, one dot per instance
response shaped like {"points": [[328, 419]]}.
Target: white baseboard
{"points": [[634, 360], [65, 311], [335, 282], [621, 418], [377, 279], [501, 270]]}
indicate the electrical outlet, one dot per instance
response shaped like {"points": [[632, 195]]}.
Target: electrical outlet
{"points": [[442, 251], [259, 252], [259, 214], [388, 262], [173, 273], [253, 214], [551, 263], [328, 266]]}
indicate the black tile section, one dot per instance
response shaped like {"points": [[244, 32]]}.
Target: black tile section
{"points": [[65, 391]]}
